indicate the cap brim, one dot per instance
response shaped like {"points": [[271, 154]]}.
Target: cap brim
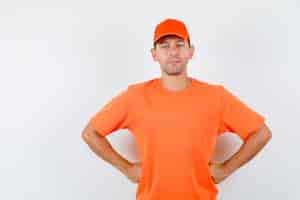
{"points": [[171, 33]]}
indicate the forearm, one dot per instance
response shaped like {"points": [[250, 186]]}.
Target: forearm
{"points": [[248, 150], [103, 149]]}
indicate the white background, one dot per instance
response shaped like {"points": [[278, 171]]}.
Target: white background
{"points": [[62, 60]]}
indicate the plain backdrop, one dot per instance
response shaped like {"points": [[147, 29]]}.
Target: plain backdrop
{"points": [[61, 61]]}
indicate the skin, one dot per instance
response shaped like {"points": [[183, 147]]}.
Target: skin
{"points": [[101, 146], [174, 77], [173, 54], [249, 149]]}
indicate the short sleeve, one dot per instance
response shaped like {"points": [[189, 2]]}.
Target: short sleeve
{"points": [[114, 115], [236, 116]]}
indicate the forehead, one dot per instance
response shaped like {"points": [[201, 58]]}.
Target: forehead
{"points": [[170, 38]]}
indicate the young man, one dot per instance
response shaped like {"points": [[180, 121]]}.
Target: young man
{"points": [[175, 120]]}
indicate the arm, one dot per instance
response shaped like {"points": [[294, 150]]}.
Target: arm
{"points": [[102, 148], [248, 150]]}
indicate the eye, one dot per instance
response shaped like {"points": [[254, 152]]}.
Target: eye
{"points": [[164, 45], [181, 44]]}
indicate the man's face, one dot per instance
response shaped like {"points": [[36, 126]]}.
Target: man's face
{"points": [[173, 54]]}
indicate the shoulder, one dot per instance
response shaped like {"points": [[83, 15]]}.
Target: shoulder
{"points": [[140, 86], [209, 86]]}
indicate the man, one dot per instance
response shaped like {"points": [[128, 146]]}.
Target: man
{"points": [[175, 120]]}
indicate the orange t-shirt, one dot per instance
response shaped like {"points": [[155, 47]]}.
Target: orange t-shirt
{"points": [[175, 133]]}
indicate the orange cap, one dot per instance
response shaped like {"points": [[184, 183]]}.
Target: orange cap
{"points": [[170, 27]]}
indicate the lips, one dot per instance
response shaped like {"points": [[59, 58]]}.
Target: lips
{"points": [[174, 61]]}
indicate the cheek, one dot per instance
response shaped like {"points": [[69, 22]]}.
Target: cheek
{"points": [[162, 58], [185, 55]]}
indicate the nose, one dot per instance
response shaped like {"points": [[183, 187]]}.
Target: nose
{"points": [[173, 50]]}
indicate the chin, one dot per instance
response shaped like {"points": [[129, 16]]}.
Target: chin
{"points": [[173, 72]]}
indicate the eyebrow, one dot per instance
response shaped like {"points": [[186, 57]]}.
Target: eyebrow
{"points": [[178, 40]]}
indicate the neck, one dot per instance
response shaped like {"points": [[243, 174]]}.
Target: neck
{"points": [[175, 82]]}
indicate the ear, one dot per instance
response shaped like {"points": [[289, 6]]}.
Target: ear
{"points": [[191, 51], [153, 53]]}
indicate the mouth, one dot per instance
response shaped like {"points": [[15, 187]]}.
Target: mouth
{"points": [[174, 61]]}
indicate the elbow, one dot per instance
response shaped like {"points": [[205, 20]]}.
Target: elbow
{"points": [[87, 134], [265, 133], [269, 136], [268, 133]]}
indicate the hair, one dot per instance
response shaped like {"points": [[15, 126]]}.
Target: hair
{"points": [[160, 39]]}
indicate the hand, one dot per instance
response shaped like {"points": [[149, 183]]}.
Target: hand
{"points": [[133, 172], [218, 172]]}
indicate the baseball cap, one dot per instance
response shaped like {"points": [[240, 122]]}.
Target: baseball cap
{"points": [[170, 26]]}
